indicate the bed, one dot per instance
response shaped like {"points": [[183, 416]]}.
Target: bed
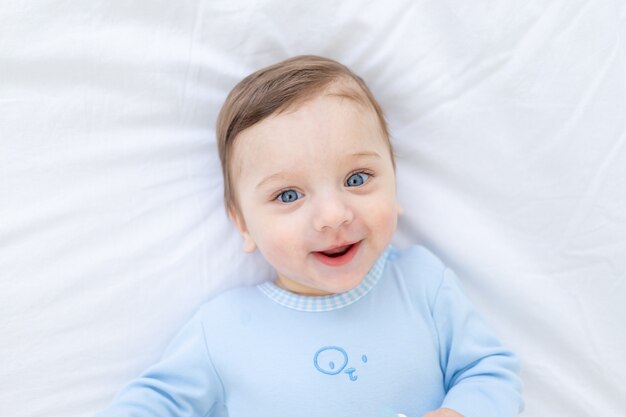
{"points": [[509, 124]]}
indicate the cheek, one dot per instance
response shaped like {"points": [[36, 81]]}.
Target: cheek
{"points": [[383, 218], [280, 246], [276, 235]]}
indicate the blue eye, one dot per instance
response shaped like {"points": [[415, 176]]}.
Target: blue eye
{"points": [[357, 179], [289, 196]]}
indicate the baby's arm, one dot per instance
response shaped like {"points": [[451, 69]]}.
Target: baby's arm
{"points": [[443, 412], [480, 376], [182, 384]]}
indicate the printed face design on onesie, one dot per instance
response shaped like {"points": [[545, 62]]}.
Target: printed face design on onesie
{"points": [[317, 193], [333, 360]]}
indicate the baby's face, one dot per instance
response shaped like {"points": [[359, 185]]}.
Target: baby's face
{"points": [[317, 194]]}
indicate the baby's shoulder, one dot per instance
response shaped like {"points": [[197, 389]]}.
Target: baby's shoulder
{"points": [[416, 258], [419, 269], [228, 305]]}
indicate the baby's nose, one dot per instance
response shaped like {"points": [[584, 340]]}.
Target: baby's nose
{"points": [[332, 213]]}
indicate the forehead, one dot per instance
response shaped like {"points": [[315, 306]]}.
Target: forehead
{"points": [[320, 129]]}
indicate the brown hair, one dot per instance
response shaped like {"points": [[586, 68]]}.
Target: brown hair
{"points": [[281, 86]]}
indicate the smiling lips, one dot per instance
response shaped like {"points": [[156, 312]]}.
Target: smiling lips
{"points": [[338, 256]]}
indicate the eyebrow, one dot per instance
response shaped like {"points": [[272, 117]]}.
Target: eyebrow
{"points": [[285, 175], [367, 153], [277, 176]]}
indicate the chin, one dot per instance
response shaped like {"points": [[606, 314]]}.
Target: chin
{"points": [[346, 285]]}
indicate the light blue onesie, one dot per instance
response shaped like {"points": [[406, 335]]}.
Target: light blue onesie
{"points": [[406, 340]]}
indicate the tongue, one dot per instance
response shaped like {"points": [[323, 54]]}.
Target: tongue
{"points": [[337, 252]]}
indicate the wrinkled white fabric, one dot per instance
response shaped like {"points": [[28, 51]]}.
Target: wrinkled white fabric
{"points": [[508, 123]]}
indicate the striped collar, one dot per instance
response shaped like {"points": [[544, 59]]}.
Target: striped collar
{"points": [[326, 302]]}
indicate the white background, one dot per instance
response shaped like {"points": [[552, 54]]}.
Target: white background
{"points": [[509, 123]]}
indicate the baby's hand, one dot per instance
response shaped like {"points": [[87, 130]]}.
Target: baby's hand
{"points": [[443, 412]]}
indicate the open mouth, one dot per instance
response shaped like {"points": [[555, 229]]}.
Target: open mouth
{"points": [[338, 256], [340, 251]]}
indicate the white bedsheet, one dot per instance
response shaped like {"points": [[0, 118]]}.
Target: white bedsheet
{"points": [[509, 122]]}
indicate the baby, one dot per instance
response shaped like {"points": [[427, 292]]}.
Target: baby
{"points": [[350, 327]]}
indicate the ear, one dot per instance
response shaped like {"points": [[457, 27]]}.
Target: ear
{"points": [[248, 244]]}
